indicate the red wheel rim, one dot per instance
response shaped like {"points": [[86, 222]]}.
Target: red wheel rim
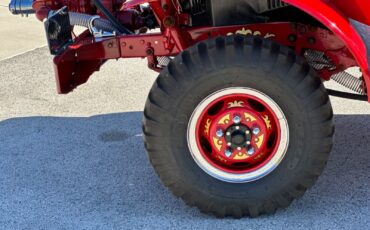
{"points": [[238, 132]]}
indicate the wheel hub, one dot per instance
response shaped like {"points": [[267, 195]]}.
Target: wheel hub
{"points": [[238, 136], [238, 143]]}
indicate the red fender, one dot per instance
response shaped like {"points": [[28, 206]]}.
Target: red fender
{"points": [[356, 9], [335, 16]]}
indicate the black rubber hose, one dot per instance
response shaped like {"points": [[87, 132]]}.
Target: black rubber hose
{"points": [[351, 96], [111, 18]]}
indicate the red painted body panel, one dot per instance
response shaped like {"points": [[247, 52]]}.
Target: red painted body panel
{"points": [[335, 15], [356, 9], [170, 43]]}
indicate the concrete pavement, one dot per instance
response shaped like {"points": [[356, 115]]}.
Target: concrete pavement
{"points": [[18, 34]]}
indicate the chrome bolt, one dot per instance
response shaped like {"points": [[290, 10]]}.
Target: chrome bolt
{"points": [[228, 153], [248, 142], [237, 120], [247, 132], [237, 127], [228, 133], [220, 133], [256, 131], [251, 151], [239, 148], [228, 144]]}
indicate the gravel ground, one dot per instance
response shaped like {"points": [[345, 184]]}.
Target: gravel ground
{"points": [[77, 161]]}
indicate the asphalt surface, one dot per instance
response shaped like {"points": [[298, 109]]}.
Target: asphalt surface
{"points": [[77, 161]]}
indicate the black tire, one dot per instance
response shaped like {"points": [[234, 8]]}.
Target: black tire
{"points": [[233, 62]]}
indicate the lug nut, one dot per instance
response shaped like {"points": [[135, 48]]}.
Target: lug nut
{"points": [[256, 131], [228, 153], [219, 133], [251, 151], [236, 119]]}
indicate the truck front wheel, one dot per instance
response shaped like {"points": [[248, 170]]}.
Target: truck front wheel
{"points": [[238, 126]]}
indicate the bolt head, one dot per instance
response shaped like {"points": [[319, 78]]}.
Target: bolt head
{"points": [[256, 131], [292, 38], [239, 148], [228, 144], [251, 151], [220, 133], [237, 127], [228, 153], [237, 120], [228, 133], [248, 142]]}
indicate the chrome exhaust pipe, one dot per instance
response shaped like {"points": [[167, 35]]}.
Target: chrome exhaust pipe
{"points": [[22, 7]]}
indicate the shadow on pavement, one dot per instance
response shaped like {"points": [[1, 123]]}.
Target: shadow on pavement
{"points": [[61, 171]]}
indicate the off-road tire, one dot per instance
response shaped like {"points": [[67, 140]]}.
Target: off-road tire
{"points": [[238, 61]]}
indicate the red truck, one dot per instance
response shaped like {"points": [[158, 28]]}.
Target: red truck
{"points": [[238, 123]]}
